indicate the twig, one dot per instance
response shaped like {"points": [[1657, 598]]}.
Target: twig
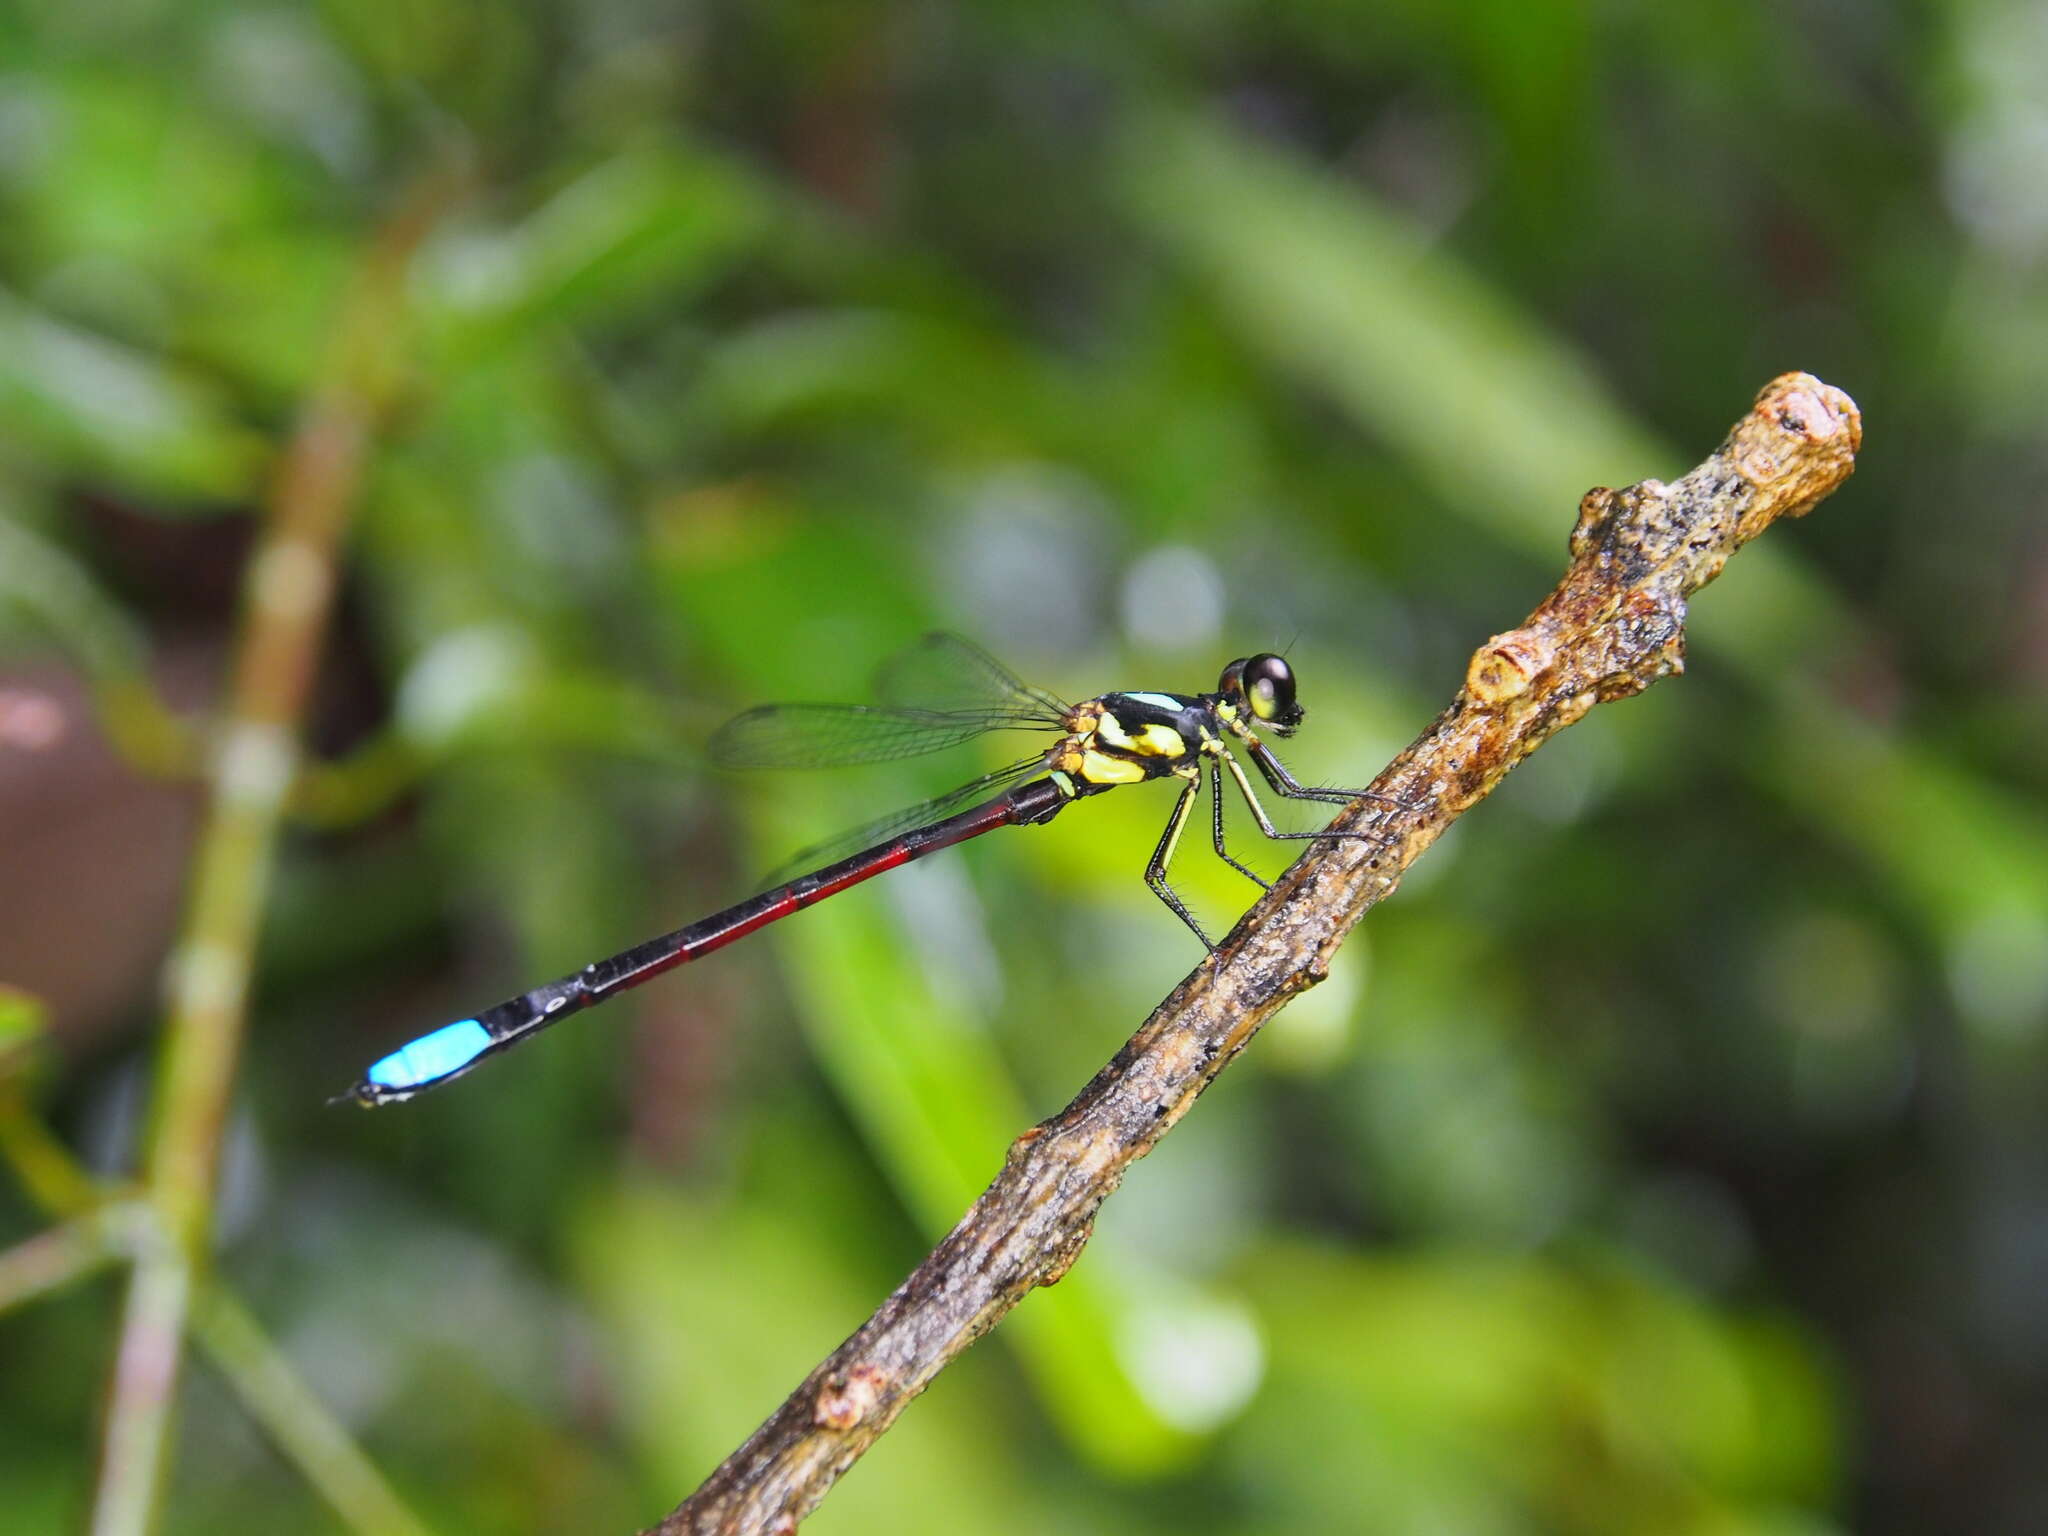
{"points": [[59, 1257], [1615, 624], [289, 593], [304, 1429]]}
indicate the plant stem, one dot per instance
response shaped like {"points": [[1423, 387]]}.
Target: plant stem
{"points": [[287, 597]]}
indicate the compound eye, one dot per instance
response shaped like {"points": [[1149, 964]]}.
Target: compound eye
{"points": [[1268, 684]]}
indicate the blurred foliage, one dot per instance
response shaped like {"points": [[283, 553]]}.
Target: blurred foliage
{"points": [[1668, 1156]]}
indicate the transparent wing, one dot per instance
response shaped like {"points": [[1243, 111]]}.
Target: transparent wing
{"points": [[836, 735], [940, 692], [896, 823], [946, 674]]}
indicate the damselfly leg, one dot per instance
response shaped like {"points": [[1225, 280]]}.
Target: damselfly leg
{"points": [[1216, 827], [1220, 759], [1162, 855]]}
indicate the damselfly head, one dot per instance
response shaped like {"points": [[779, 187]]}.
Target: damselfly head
{"points": [[1264, 685]]}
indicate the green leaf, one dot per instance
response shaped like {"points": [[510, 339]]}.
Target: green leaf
{"points": [[93, 407]]}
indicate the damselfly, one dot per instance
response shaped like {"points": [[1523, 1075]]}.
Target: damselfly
{"points": [[941, 692]]}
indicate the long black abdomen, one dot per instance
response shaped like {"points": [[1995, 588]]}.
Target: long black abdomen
{"points": [[455, 1048]]}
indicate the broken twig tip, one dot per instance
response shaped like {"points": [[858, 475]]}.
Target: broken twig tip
{"points": [[1796, 446]]}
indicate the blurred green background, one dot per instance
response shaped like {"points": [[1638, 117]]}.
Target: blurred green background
{"points": [[1669, 1155]]}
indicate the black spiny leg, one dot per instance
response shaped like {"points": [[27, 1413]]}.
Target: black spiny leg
{"points": [[1216, 827], [1155, 872], [1293, 791], [1288, 787]]}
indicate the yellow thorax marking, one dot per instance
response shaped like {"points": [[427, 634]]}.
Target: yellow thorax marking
{"points": [[1100, 768], [1110, 732], [1151, 740], [1160, 741]]}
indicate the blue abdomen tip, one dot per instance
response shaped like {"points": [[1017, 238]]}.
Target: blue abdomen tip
{"points": [[432, 1057]]}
